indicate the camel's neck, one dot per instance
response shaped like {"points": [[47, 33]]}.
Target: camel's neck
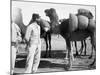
{"points": [[54, 21], [23, 29]]}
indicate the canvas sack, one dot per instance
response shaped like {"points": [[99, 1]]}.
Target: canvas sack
{"points": [[86, 13], [82, 22], [73, 22], [92, 25]]}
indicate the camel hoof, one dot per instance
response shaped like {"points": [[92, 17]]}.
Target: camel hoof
{"points": [[90, 57], [65, 58], [49, 56], [76, 54], [45, 56], [92, 66], [67, 67], [85, 54]]}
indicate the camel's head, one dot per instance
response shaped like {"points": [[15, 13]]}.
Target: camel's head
{"points": [[17, 15], [51, 13], [54, 21]]}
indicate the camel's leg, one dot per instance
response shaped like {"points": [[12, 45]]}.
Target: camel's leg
{"points": [[72, 57], [49, 39], [45, 38], [94, 58], [84, 47], [66, 57], [93, 41], [91, 53], [69, 53], [76, 48], [92, 50]]}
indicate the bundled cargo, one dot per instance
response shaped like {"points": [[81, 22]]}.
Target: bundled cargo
{"points": [[77, 22], [92, 25], [80, 22], [86, 13], [83, 22], [73, 22]]}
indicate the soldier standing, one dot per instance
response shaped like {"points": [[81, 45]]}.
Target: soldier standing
{"points": [[32, 38]]}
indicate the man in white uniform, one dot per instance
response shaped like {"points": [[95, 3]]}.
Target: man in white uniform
{"points": [[32, 37], [16, 36]]}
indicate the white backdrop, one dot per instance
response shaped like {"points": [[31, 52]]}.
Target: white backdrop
{"points": [[5, 36], [63, 10]]}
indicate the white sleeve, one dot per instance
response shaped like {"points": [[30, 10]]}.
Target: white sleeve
{"points": [[28, 33]]}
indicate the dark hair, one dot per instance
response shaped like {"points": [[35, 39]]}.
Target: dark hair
{"points": [[34, 17]]}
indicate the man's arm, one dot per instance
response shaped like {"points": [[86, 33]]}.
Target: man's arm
{"points": [[28, 33], [19, 37]]}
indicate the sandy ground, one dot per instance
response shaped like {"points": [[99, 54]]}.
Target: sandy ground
{"points": [[56, 62]]}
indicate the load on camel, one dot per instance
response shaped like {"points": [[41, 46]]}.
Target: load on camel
{"points": [[76, 28], [82, 20]]}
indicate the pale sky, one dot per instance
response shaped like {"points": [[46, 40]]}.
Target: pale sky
{"points": [[28, 8]]}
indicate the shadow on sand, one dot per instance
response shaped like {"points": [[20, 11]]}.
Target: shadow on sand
{"points": [[48, 64], [56, 54]]}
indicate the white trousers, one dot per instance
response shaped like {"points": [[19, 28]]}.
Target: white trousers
{"points": [[33, 58], [13, 58]]}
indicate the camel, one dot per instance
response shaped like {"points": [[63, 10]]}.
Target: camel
{"points": [[71, 35]]}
